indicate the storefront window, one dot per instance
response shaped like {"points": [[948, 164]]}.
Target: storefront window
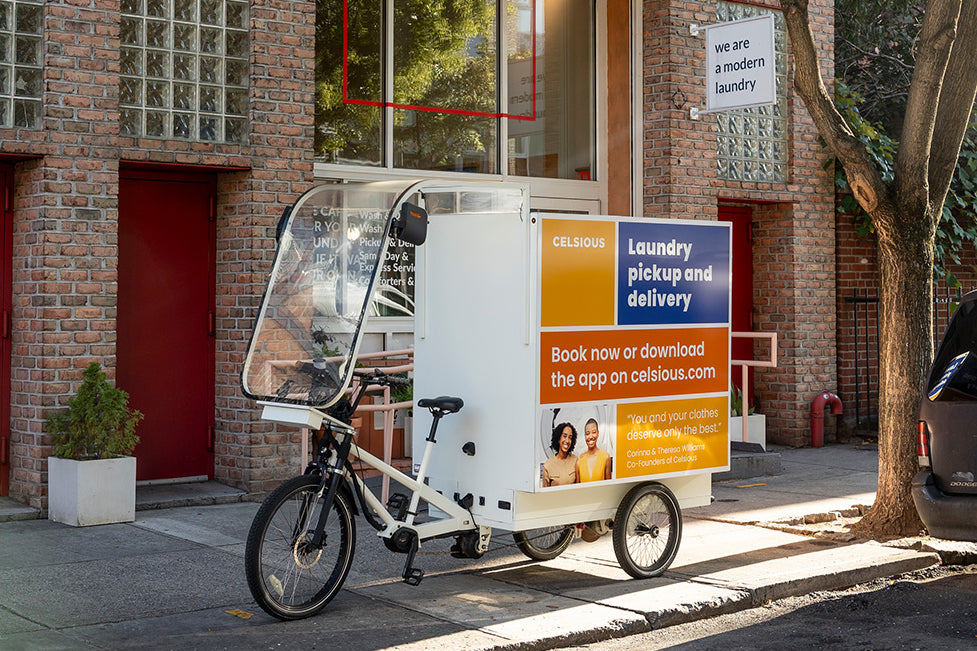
{"points": [[550, 89], [753, 141], [431, 97], [447, 69], [349, 82]]}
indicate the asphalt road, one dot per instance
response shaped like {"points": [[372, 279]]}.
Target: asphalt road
{"points": [[932, 610]]}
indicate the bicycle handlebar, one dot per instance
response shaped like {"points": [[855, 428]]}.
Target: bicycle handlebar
{"points": [[377, 376]]}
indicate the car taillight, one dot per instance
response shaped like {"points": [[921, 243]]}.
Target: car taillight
{"points": [[923, 444]]}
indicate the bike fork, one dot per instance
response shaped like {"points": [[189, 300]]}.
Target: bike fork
{"points": [[335, 476]]}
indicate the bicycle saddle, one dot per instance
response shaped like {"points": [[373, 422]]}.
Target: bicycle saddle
{"points": [[446, 404]]}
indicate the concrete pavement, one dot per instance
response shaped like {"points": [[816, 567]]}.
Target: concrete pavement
{"points": [[174, 579]]}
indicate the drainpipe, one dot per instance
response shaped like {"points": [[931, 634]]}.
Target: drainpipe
{"points": [[822, 400]]}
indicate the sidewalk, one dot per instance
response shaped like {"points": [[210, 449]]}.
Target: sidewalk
{"points": [[174, 579]]}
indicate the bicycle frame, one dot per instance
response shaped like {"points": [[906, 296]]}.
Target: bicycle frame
{"points": [[458, 520]]}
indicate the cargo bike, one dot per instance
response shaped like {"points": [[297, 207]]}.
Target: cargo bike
{"points": [[483, 287]]}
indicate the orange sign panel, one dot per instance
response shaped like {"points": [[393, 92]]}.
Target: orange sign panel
{"points": [[671, 436], [609, 365], [577, 280]]}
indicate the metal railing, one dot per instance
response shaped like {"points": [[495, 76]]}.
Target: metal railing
{"points": [[387, 408], [745, 364]]}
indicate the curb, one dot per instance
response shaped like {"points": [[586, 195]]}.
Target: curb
{"points": [[951, 552], [681, 602]]}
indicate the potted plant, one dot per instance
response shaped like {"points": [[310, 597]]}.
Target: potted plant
{"points": [[756, 424], [92, 475]]}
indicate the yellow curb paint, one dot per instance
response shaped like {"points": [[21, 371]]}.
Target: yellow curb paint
{"points": [[243, 614]]}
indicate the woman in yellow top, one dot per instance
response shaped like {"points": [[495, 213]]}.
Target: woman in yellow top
{"points": [[561, 468], [594, 464]]}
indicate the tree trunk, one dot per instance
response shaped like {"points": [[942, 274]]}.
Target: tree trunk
{"points": [[905, 213], [906, 261]]}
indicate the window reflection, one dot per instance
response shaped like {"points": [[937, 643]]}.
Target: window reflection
{"points": [[445, 63], [446, 102], [551, 94], [348, 98]]}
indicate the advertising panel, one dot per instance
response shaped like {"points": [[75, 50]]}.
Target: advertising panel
{"points": [[634, 352]]}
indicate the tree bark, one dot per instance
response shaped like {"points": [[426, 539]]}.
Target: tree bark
{"points": [[906, 299], [956, 99], [905, 215]]}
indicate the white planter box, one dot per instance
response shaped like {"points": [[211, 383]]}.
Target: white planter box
{"points": [[756, 429], [98, 491]]}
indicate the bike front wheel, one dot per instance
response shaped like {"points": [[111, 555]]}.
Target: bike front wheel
{"points": [[287, 576], [647, 530], [544, 544]]}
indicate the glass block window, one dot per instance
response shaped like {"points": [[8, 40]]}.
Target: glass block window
{"points": [[753, 141], [21, 58], [184, 66]]}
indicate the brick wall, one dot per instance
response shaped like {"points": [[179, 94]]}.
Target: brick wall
{"points": [[858, 318], [858, 325], [66, 216], [679, 154], [793, 223], [252, 454]]}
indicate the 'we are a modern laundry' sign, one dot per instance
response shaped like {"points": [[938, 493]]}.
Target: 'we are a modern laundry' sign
{"points": [[740, 64]]}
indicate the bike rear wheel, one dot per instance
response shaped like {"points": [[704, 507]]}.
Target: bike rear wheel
{"points": [[544, 544], [287, 576]]}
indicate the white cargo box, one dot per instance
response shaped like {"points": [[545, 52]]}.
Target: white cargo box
{"points": [[544, 322]]}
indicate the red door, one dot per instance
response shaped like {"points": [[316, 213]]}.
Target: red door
{"points": [[741, 315], [165, 319], [6, 255]]}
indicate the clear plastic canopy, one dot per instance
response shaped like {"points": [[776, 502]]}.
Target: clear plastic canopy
{"points": [[308, 329]]}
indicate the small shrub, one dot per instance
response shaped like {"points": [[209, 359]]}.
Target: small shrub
{"points": [[97, 424], [402, 393], [736, 402]]}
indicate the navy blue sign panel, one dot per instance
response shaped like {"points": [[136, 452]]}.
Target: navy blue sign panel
{"points": [[673, 273]]}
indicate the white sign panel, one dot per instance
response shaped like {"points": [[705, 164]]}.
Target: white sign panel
{"points": [[740, 64]]}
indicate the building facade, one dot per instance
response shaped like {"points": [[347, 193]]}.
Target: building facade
{"points": [[148, 148]]}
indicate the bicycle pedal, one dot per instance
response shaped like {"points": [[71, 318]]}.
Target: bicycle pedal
{"points": [[413, 576], [398, 502]]}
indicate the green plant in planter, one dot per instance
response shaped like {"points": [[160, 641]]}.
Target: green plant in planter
{"points": [[98, 423], [736, 402], [402, 393]]}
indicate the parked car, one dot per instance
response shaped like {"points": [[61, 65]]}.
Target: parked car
{"points": [[945, 489]]}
